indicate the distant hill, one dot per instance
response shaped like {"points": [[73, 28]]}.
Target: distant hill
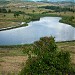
{"points": [[2, 2], [41, 0], [53, 1]]}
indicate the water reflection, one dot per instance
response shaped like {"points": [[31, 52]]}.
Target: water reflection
{"points": [[47, 26]]}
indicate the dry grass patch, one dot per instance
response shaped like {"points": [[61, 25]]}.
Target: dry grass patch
{"points": [[68, 46], [73, 59], [8, 24], [12, 64]]}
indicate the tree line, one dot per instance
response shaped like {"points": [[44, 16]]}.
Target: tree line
{"points": [[16, 13], [58, 9], [4, 10]]}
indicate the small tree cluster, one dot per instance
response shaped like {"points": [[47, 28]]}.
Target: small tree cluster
{"points": [[58, 8], [17, 13], [4, 10]]}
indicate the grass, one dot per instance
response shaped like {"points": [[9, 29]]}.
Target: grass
{"points": [[8, 24], [12, 64], [13, 58], [68, 20], [10, 20], [68, 46]]}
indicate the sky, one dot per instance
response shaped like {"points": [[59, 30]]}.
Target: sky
{"points": [[40, 0], [51, 0]]}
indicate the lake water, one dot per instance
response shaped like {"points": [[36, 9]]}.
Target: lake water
{"points": [[46, 26]]}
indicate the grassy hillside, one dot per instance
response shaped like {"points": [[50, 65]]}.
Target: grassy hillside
{"points": [[7, 19]]}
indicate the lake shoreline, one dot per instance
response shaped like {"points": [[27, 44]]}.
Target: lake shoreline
{"points": [[13, 27], [18, 45], [50, 24], [35, 18]]}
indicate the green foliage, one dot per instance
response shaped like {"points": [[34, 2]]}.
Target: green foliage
{"points": [[68, 20], [9, 11], [33, 11], [16, 14], [58, 8], [3, 10], [45, 44], [4, 15], [47, 60]]}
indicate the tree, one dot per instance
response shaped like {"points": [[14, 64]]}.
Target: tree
{"points": [[4, 15], [33, 11], [71, 18], [16, 14], [9, 11], [0, 10], [47, 60], [3, 10]]}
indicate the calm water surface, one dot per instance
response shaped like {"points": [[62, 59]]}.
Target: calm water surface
{"points": [[46, 26]]}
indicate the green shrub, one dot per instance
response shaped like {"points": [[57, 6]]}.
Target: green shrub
{"points": [[47, 60]]}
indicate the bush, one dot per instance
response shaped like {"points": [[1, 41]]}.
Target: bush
{"points": [[47, 60], [3, 10]]}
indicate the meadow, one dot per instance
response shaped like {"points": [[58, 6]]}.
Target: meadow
{"points": [[13, 58], [31, 9]]}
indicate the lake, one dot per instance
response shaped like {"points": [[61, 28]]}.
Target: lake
{"points": [[46, 26]]}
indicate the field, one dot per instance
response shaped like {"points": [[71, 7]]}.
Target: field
{"points": [[8, 19], [68, 46], [13, 58]]}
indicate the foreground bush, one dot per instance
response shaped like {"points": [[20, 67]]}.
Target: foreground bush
{"points": [[47, 59]]}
